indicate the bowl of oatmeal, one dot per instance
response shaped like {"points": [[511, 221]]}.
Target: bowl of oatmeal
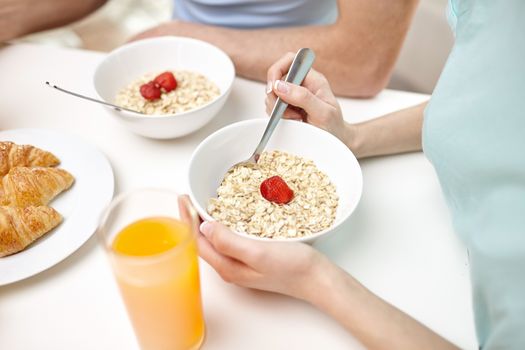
{"points": [[305, 186], [176, 85]]}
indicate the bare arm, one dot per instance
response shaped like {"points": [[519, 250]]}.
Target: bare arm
{"points": [[357, 53], [393, 133], [315, 104], [376, 323], [20, 17], [298, 270]]}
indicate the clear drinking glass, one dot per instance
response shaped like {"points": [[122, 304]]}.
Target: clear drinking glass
{"points": [[150, 238]]}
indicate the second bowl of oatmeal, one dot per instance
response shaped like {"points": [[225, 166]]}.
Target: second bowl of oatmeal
{"points": [[179, 84], [323, 181]]}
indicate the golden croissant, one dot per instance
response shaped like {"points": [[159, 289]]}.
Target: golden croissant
{"points": [[13, 155], [23, 187], [19, 227]]}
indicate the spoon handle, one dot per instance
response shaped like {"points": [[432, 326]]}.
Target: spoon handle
{"points": [[117, 108], [301, 64]]}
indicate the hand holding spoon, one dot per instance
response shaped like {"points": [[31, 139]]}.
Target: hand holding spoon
{"points": [[301, 65]]}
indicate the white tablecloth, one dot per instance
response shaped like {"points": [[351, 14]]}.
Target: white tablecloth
{"points": [[399, 242]]}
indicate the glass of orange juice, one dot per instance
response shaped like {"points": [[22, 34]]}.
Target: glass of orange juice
{"points": [[150, 238]]}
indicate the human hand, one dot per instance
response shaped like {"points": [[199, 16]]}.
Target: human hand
{"points": [[313, 102], [281, 267]]}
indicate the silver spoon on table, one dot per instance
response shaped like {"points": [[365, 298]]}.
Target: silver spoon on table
{"points": [[302, 62]]}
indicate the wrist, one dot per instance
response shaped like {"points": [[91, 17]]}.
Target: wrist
{"points": [[320, 280], [339, 295], [352, 139]]}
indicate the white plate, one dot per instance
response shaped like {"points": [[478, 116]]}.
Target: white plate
{"points": [[80, 206]]}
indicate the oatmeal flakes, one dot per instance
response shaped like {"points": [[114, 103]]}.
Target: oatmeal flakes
{"points": [[240, 206], [193, 90]]}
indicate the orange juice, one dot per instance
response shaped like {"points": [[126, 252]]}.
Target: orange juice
{"points": [[156, 267]]}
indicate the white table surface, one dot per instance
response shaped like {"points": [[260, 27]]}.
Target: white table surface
{"points": [[399, 242]]}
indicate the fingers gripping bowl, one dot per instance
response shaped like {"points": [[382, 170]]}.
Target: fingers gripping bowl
{"points": [[196, 64], [225, 147]]}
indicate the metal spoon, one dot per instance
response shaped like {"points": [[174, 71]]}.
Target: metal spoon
{"points": [[115, 107], [302, 62]]}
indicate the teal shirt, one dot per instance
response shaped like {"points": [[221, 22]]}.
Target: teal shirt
{"points": [[474, 135]]}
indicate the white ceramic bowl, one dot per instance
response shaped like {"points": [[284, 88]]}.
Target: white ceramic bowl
{"points": [[131, 61], [236, 142]]}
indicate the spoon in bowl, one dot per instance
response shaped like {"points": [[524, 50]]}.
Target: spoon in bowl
{"points": [[301, 64], [115, 107]]}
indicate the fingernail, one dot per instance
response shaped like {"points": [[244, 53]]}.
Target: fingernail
{"points": [[282, 86], [269, 87], [206, 229]]}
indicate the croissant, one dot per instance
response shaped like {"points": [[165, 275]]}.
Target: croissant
{"points": [[12, 155], [20, 227], [23, 187]]}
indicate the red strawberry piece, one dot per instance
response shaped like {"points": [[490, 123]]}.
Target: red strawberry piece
{"points": [[166, 81], [150, 91], [275, 190]]}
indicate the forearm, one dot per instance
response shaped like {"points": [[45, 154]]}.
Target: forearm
{"points": [[356, 54], [354, 73], [393, 133], [377, 324], [20, 17]]}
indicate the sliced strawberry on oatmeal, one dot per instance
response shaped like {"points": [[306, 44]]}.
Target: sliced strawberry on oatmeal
{"points": [[275, 190]]}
